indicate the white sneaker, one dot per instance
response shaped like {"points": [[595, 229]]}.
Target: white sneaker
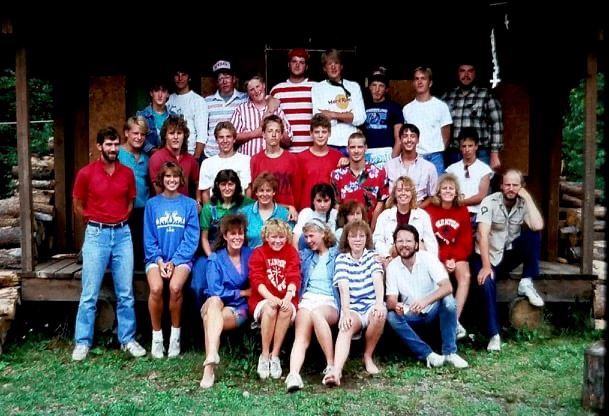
{"points": [[80, 352], [293, 382], [174, 348], [494, 344], [526, 288], [461, 332], [156, 349], [434, 360], [133, 348], [456, 361], [264, 367], [275, 368]]}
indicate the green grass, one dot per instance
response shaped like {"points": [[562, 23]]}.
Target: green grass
{"points": [[535, 373]]}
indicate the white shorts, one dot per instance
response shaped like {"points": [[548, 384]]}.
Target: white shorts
{"points": [[312, 301], [364, 318], [260, 306]]}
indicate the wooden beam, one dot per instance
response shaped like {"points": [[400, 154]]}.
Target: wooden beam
{"points": [[61, 226], [24, 163], [590, 101], [61, 290], [551, 290]]}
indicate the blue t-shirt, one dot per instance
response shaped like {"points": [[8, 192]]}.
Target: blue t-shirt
{"points": [[380, 119], [319, 282], [139, 167]]}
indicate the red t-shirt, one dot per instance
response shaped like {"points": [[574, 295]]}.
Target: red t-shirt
{"points": [[106, 198], [313, 170], [187, 162], [275, 270], [284, 169], [453, 230]]}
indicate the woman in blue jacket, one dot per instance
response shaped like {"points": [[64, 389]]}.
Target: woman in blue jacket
{"points": [[227, 289], [319, 299], [171, 237]]}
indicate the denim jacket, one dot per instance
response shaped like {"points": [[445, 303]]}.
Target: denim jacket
{"points": [[308, 260], [152, 138]]}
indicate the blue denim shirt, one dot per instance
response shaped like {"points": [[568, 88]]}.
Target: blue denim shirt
{"points": [[152, 138], [308, 260]]}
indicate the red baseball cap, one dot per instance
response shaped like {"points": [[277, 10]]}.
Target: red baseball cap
{"points": [[300, 52]]}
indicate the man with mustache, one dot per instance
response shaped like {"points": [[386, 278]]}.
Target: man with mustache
{"points": [[103, 195], [504, 242]]}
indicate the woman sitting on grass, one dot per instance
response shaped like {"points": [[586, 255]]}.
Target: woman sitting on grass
{"points": [[227, 289], [171, 236], [359, 277], [274, 278], [319, 300]]}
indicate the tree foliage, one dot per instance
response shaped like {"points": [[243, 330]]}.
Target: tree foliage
{"points": [[573, 135], [41, 108]]}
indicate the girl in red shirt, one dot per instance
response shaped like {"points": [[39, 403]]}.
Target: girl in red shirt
{"points": [[453, 230], [275, 280]]}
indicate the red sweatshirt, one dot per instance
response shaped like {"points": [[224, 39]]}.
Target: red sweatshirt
{"points": [[453, 230], [275, 270]]}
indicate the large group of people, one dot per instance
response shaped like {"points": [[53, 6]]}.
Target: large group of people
{"points": [[306, 208]]}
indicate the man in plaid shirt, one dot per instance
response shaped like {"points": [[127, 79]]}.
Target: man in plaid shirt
{"points": [[477, 107]]}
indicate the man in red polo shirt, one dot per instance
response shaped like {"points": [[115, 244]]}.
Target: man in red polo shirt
{"points": [[103, 195]]}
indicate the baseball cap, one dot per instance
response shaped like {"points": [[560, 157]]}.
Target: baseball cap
{"points": [[379, 74], [222, 67], [300, 52]]}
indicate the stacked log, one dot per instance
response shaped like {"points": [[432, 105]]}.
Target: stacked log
{"points": [[43, 195], [9, 299]]}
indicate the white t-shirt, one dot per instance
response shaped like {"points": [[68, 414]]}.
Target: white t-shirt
{"points": [[210, 167], [470, 186], [427, 273], [429, 116]]}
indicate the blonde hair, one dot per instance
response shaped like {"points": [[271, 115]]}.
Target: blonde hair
{"points": [[276, 226], [447, 177], [353, 227], [408, 183], [317, 225], [136, 121]]}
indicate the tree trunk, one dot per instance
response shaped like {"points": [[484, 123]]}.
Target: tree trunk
{"points": [[600, 291], [576, 189], [525, 315], [9, 207], [570, 201], [593, 393], [10, 236], [6, 221], [8, 278]]}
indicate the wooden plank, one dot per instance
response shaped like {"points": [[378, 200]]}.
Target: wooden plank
{"points": [[551, 290], [50, 270], [515, 103], [69, 271], [59, 152], [59, 290], [32, 273], [24, 162], [590, 101]]}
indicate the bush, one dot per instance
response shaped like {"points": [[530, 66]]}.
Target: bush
{"points": [[41, 106], [573, 135]]}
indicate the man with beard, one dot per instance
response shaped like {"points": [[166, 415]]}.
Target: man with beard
{"points": [[474, 106], [509, 225], [418, 294], [103, 195]]}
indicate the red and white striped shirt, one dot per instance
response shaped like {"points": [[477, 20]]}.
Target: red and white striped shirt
{"points": [[295, 101], [248, 117]]}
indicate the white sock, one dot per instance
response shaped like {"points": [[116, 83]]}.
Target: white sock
{"points": [[157, 334], [175, 333]]}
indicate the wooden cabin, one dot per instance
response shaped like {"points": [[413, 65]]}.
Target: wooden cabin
{"points": [[539, 59]]}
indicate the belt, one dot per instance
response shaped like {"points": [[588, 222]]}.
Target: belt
{"points": [[104, 225]]}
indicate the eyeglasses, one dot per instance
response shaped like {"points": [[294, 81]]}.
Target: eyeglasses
{"points": [[466, 171]]}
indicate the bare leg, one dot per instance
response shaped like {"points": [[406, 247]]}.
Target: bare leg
{"points": [[343, 345], [373, 334], [302, 339], [268, 321], [462, 274], [176, 283], [155, 297], [323, 317], [216, 318], [281, 328]]}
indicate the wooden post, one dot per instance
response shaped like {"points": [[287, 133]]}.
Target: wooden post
{"points": [[593, 392], [589, 164], [24, 164]]}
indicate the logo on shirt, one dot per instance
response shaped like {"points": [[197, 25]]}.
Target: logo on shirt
{"points": [[341, 101], [274, 273], [170, 220]]}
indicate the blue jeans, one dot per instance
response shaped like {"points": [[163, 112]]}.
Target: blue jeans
{"points": [[103, 247], [404, 325], [526, 250], [437, 158]]}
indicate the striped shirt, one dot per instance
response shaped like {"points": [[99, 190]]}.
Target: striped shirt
{"points": [[295, 101], [358, 273], [248, 117], [220, 110]]}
